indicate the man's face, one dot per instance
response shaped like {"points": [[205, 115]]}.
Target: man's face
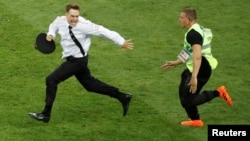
{"points": [[184, 21], [72, 17]]}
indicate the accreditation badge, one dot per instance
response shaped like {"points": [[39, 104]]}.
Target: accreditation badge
{"points": [[184, 56]]}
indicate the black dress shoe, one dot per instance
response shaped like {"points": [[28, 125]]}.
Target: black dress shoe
{"points": [[125, 103], [40, 117]]}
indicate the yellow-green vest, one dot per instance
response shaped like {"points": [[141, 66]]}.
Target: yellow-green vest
{"points": [[206, 47]]}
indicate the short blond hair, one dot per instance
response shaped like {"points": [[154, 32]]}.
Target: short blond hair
{"points": [[190, 13]]}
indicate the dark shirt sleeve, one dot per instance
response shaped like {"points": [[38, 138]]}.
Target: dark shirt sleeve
{"points": [[194, 37]]}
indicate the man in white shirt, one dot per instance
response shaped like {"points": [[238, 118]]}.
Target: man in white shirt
{"points": [[76, 57]]}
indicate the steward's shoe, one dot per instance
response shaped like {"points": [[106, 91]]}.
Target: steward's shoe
{"points": [[40, 117], [125, 103], [193, 123], [225, 95]]}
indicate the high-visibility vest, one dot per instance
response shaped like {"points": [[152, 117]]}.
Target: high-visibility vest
{"points": [[206, 47]]}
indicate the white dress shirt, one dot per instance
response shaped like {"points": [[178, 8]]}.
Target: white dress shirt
{"points": [[83, 31]]}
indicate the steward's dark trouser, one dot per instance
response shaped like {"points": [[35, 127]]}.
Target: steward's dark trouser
{"points": [[79, 68], [190, 101]]}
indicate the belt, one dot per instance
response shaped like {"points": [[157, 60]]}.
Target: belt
{"points": [[72, 58]]}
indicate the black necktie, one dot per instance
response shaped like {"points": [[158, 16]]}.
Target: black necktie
{"points": [[75, 40]]}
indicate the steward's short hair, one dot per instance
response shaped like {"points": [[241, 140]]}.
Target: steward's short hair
{"points": [[190, 13]]}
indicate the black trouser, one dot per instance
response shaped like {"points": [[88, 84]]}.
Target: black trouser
{"points": [[190, 101], [79, 68]]}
